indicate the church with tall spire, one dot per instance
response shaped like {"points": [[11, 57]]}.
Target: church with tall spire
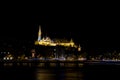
{"points": [[58, 47], [46, 41]]}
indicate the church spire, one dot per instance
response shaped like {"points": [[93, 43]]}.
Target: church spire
{"points": [[39, 33]]}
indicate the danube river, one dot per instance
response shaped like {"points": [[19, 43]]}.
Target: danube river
{"points": [[83, 72]]}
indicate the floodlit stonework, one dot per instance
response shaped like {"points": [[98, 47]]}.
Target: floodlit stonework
{"points": [[46, 41]]}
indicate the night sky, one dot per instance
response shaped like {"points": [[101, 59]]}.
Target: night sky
{"points": [[94, 27]]}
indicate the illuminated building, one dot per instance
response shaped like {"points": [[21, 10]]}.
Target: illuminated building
{"points": [[55, 45], [46, 41]]}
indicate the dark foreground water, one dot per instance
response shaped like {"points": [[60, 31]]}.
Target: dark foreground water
{"points": [[88, 72]]}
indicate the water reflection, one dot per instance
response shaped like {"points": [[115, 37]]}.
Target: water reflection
{"points": [[59, 74], [91, 72], [44, 74]]}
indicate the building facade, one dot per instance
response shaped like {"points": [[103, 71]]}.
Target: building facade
{"points": [[48, 47]]}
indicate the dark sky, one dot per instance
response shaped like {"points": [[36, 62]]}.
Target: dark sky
{"points": [[94, 27]]}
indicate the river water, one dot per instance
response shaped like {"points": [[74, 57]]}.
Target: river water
{"points": [[89, 72]]}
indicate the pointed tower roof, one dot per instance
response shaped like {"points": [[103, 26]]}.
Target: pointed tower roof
{"points": [[39, 30], [39, 33], [71, 40], [79, 48]]}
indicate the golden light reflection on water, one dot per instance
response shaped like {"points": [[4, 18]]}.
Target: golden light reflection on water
{"points": [[44, 74], [58, 74], [72, 74]]}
